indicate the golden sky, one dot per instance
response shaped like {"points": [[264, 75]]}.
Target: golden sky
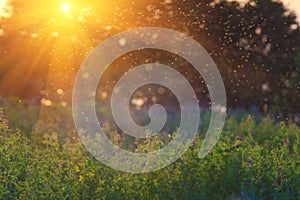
{"points": [[294, 5]]}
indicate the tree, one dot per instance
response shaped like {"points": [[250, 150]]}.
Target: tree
{"points": [[256, 46]]}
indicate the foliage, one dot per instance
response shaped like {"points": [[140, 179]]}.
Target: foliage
{"points": [[238, 167]]}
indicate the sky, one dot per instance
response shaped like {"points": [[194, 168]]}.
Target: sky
{"points": [[5, 9], [294, 5]]}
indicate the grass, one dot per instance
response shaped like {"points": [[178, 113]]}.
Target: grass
{"points": [[252, 160]]}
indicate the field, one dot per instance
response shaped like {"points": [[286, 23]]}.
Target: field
{"points": [[41, 158]]}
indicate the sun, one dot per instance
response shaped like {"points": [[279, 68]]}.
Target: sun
{"points": [[65, 7]]}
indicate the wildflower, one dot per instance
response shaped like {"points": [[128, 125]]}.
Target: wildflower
{"points": [[274, 184], [77, 169], [80, 178], [90, 175], [248, 182]]}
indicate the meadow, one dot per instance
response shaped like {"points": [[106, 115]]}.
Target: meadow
{"points": [[255, 158]]}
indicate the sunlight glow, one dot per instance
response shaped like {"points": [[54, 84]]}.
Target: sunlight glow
{"points": [[65, 7], [57, 31], [5, 9]]}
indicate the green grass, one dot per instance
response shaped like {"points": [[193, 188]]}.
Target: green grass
{"points": [[252, 160]]}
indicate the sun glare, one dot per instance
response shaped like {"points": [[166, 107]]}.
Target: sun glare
{"points": [[65, 7], [6, 9]]}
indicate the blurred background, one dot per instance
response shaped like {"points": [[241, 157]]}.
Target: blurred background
{"points": [[255, 44]]}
